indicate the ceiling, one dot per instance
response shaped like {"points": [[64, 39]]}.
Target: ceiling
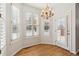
{"points": [[42, 5], [37, 5]]}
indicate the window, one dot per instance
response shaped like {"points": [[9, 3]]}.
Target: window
{"points": [[15, 22], [32, 28], [36, 26], [46, 28]]}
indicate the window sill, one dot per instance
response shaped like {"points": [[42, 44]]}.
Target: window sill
{"points": [[32, 36]]}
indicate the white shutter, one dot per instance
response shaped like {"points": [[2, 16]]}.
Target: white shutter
{"points": [[2, 27]]}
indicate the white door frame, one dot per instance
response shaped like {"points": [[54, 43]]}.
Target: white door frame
{"points": [[69, 30]]}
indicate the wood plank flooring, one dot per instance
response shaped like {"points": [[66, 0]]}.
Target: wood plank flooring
{"points": [[44, 50], [77, 54]]}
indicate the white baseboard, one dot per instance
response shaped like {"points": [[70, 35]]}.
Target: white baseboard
{"points": [[73, 52], [15, 52], [47, 43], [37, 44], [30, 45], [22, 48]]}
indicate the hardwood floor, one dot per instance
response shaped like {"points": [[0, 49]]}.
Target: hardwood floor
{"points": [[77, 53], [44, 50]]}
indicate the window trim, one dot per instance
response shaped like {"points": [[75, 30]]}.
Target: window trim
{"points": [[17, 22], [37, 24]]}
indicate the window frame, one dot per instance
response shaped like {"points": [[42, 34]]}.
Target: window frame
{"points": [[37, 25], [17, 23]]}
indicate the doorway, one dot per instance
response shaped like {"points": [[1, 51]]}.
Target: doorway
{"points": [[64, 30], [61, 32]]}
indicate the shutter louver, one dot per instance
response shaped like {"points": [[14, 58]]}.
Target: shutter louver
{"points": [[2, 28]]}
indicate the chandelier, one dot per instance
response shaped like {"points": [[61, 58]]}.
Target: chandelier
{"points": [[47, 12]]}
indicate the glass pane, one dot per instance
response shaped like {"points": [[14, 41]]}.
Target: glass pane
{"points": [[32, 24], [46, 28], [36, 20], [29, 30], [15, 22], [29, 18], [14, 34], [36, 30], [61, 31]]}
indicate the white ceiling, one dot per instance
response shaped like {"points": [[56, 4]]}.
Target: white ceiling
{"points": [[42, 5], [39, 5]]}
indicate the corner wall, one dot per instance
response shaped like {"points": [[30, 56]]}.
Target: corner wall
{"points": [[77, 27]]}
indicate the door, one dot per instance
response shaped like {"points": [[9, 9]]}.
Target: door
{"points": [[61, 32], [64, 31]]}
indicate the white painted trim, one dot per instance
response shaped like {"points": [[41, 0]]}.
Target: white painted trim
{"points": [[37, 44], [47, 43], [31, 45], [15, 52], [21, 48], [73, 52]]}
